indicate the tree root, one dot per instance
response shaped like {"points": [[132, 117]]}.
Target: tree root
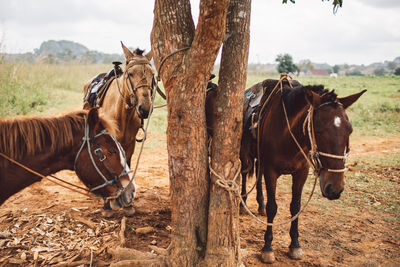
{"points": [[133, 257]]}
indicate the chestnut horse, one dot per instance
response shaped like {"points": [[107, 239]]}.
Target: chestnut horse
{"points": [[80, 141], [128, 99], [319, 123]]}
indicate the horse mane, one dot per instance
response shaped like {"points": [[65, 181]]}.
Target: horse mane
{"points": [[138, 52], [293, 97], [23, 137]]}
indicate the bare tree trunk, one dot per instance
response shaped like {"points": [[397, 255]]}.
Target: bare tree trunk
{"points": [[223, 246], [185, 75]]}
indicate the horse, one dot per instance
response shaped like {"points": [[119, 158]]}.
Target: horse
{"points": [[81, 141], [320, 126], [128, 97]]}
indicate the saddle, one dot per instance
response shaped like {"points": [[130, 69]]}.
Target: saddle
{"points": [[254, 99], [98, 87]]}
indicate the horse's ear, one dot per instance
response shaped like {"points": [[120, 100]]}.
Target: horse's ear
{"points": [[349, 100], [312, 98], [149, 55], [93, 118], [128, 54]]}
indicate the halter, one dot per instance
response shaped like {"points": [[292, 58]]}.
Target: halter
{"points": [[88, 139], [133, 88], [314, 154]]}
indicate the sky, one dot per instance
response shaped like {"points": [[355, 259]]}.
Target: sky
{"points": [[362, 32]]}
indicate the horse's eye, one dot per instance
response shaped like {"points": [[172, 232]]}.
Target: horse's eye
{"points": [[112, 151]]}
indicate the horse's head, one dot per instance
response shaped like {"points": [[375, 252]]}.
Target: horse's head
{"points": [[139, 80], [330, 129], [101, 164]]}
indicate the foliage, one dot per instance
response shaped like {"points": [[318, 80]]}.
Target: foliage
{"points": [[285, 64], [397, 71], [379, 71], [354, 73], [305, 65], [336, 69], [336, 3]]}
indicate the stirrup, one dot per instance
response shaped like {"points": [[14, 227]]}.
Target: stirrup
{"points": [[254, 125]]}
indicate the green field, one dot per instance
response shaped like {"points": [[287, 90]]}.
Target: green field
{"points": [[49, 89]]}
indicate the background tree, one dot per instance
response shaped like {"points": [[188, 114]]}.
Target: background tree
{"points": [[305, 65], [397, 71], [336, 69], [285, 64], [379, 71]]}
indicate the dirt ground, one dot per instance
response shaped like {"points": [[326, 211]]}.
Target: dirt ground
{"points": [[49, 225]]}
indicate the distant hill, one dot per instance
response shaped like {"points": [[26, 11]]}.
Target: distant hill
{"points": [[63, 51]]}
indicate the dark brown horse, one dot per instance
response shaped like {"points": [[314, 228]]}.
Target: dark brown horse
{"points": [[128, 98], [320, 125], [81, 140]]}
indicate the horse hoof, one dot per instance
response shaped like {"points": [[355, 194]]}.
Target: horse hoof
{"points": [[129, 211], [296, 253], [107, 213], [267, 256]]}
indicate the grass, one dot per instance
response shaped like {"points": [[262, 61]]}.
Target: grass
{"points": [[48, 89], [42, 89]]}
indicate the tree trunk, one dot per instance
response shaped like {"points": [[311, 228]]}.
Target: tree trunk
{"points": [[185, 75], [223, 246]]}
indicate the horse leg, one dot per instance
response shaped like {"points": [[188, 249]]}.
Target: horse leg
{"points": [[129, 152], [299, 178], [243, 193], [267, 254], [260, 195]]}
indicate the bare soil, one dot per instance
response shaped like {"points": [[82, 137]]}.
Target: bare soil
{"points": [[51, 225]]}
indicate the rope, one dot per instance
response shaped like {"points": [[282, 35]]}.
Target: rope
{"points": [[158, 78], [145, 135], [232, 186], [258, 134]]}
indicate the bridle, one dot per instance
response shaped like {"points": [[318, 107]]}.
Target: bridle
{"points": [[132, 89], [314, 154], [90, 139]]}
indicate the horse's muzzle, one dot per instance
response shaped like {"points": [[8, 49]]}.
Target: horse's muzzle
{"points": [[125, 199], [329, 190], [142, 112]]}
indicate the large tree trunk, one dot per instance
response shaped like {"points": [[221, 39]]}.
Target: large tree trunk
{"points": [[185, 75], [223, 248]]}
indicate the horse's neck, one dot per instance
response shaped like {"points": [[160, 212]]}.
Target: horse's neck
{"points": [[297, 116], [14, 178]]}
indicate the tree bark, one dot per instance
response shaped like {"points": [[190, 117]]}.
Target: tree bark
{"points": [[185, 75], [223, 243]]}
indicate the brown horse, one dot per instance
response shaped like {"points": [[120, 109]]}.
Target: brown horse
{"points": [[128, 99], [320, 125], [81, 140]]}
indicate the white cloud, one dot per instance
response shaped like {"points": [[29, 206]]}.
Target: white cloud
{"points": [[361, 32]]}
